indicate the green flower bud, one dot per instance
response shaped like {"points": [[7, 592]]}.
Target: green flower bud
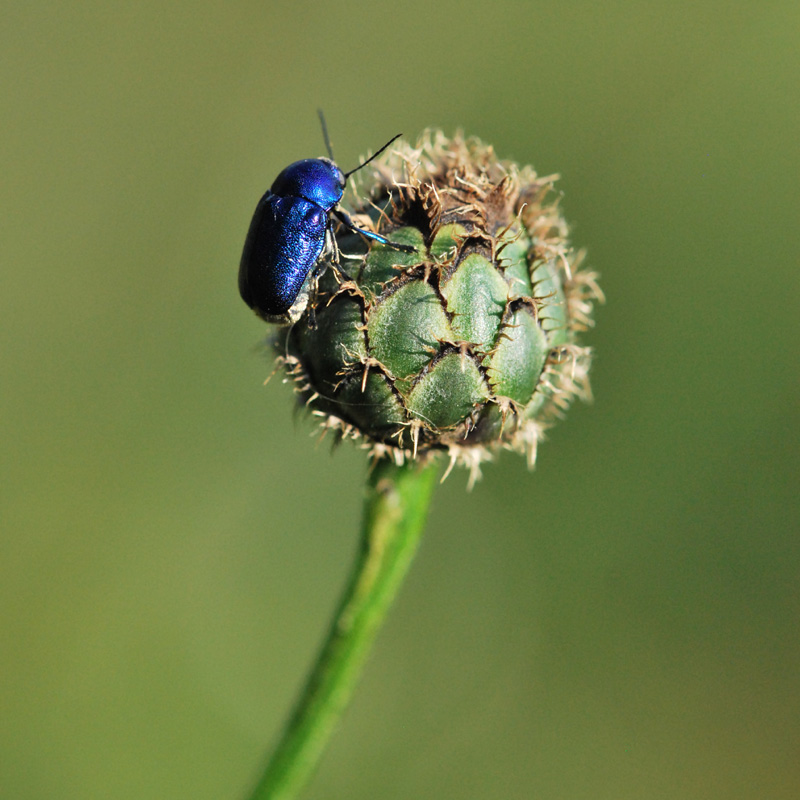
{"points": [[465, 345]]}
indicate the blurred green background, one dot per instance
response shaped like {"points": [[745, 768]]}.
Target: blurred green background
{"points": [[621, 623]]}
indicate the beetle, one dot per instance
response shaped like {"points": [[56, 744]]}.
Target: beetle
{"points": [[288, 233]]}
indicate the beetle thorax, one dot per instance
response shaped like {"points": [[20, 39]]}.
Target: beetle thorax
{"points": [[317, 180]]}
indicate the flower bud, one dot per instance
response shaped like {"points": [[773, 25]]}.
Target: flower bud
{"points": [[465, 345]]}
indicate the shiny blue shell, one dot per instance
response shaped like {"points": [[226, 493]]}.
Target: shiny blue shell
{"points": [[287, 235]]}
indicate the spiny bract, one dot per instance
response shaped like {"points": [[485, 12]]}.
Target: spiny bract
{"points": [[465, 345]]}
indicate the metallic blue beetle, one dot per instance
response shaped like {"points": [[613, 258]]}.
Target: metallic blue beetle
{"points": [[288, 232]]}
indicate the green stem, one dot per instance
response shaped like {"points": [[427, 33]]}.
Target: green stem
{"points": [[395, 509]]}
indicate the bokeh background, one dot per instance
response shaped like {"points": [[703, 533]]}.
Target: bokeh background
{"points": [[621, 623]]}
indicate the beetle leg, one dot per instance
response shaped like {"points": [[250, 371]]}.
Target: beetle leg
{"points": [[333, 244], [344, 218], [336, 264], [313, 292]]}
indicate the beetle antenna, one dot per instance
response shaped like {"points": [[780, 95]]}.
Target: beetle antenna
{"points": [[394, 138], [325, 134]]}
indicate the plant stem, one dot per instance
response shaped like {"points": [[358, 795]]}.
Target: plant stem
{"points": [[395, 509]]}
